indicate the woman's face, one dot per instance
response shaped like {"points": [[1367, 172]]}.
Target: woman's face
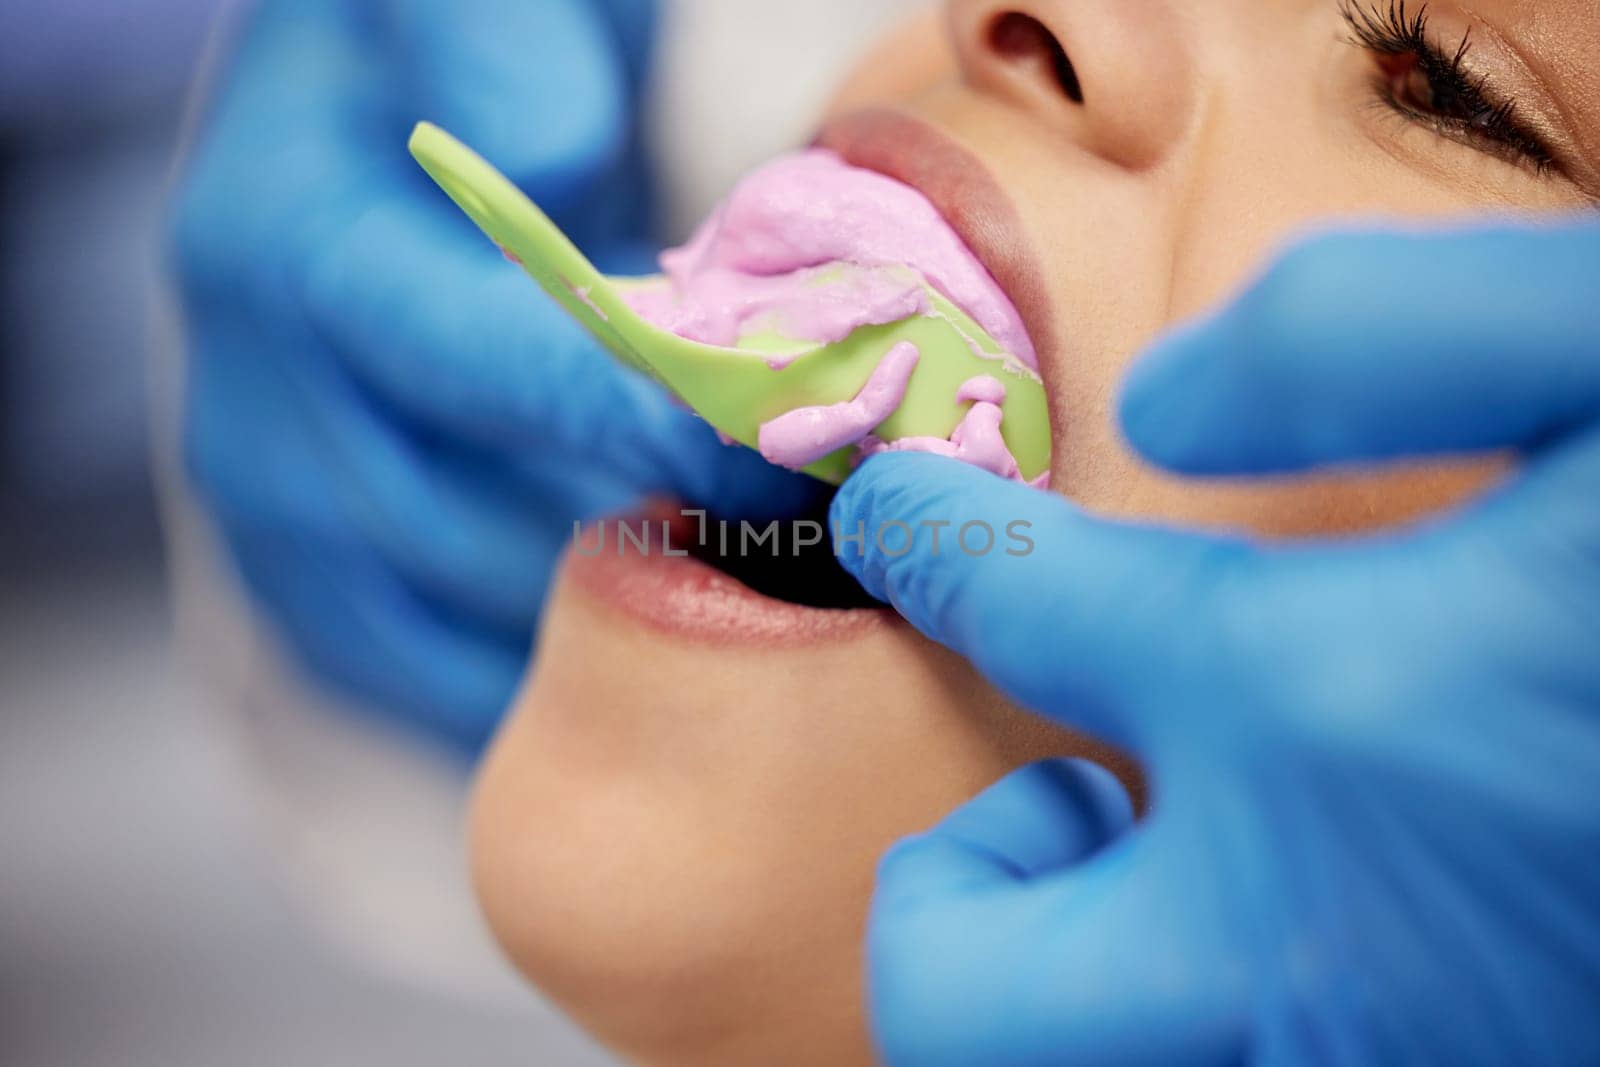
{"points": [[676, 832]]}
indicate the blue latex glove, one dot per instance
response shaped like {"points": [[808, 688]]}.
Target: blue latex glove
{"points": [[1375, 835], [393, 427]]}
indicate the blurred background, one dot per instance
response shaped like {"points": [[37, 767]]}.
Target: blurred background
{"points": [[140, 924], [141, 920]]}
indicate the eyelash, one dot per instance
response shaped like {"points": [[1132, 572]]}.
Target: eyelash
{"points": [[1469, 111]]}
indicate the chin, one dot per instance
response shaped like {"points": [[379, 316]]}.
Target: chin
{"points": [[675, 834]]}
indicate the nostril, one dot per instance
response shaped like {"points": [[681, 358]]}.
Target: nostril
{"points": [[1023, 38]]}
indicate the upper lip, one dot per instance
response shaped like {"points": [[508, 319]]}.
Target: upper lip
{"points": [[964, 191]]}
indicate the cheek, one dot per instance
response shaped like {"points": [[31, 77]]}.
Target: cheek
{"points": [[908, 60], [1103, 328]]}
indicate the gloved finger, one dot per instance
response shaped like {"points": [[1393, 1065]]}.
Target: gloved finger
{"points": [[352, 623], [1076, 617], [1533, 552], [286, 152], [472, 537], [348, 615], [1363, 346], [1099, 954], [539, 89], [636, 24], [428, 317], [1046, 817], [456, 527]]}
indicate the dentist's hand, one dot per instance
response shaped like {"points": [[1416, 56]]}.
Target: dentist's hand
{"points": [[1375, 836], [393, 428]]}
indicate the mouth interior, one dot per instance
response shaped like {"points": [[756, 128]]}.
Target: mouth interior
{"points": [[788, 570]]}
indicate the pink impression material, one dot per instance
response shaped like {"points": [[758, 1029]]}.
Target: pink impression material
{"points": [[814, 248], [803, 436], [977, 441]]}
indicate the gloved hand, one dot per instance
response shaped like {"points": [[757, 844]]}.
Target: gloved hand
{"points": [[1375, 834], [392, 427]]}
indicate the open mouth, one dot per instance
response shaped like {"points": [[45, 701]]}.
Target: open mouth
{"points": [[984, 221], [800, 567], [707, 580], [976, 209], [786, 578]]}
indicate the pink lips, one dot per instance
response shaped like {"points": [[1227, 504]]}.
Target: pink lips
{"points": [[683, 598]]}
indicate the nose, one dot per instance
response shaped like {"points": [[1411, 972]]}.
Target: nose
{"points": [[1114, 74]]}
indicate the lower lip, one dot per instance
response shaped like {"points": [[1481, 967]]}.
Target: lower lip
{"points": [[689, 600]]}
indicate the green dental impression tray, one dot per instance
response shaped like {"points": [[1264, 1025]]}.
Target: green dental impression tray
{"points": [[736, 390]]}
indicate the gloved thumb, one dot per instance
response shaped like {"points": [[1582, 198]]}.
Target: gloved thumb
{"points": [[1377, 345], [541, 89], [1032, 927]]}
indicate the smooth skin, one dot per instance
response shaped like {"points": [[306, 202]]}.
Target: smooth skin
{"points": [[683, 853]]}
